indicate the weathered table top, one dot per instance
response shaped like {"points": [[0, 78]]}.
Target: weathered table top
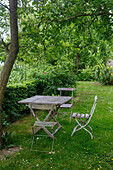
{"points": [[46, 100]]}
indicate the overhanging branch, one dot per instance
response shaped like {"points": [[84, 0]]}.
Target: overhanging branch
{"points": [[83, 15], [4, 6], [5, 45]]}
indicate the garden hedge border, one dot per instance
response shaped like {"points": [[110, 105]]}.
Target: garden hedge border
{"points": [[12, 110]]}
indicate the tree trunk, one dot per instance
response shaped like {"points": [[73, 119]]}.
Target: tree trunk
{"points": [[77, 62], [8, 65]]}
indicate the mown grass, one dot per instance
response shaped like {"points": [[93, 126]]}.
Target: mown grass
{"points": [[77, 152]]}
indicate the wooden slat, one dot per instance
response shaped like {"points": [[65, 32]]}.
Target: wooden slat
{"points": [[66, 89], [66, 106], [49, 124], [43, 107], [78, 115]]}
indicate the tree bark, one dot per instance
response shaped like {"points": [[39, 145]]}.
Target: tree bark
{"points": [[77, 62], [8, 65]]}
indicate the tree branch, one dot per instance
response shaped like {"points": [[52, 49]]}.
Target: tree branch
{"points": [[83, 15], [5, 45], [82, 46], [4, 6]]}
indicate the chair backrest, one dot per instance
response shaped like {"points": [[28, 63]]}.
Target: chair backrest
{"points": [[69, 89], [94, 106]]}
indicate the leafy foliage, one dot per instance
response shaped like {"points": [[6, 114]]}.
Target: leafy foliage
{"points": [[45, 83], [87, 74], [105, 74], [7, 140], [55, 31]]}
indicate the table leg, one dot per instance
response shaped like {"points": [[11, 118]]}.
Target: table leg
{"points": [[52, 117], [30, 106]]}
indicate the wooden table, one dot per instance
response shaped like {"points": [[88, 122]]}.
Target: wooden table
{"points": [[50, 103]]}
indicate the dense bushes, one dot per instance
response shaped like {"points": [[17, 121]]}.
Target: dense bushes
{"points": [[11, 108], [104, 74], [57, 77], [87, 74], [45, 83], [101, 73]]}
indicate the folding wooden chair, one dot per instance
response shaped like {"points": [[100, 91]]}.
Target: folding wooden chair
{"points": [[84, 119], [67, 105], [43, 124]]}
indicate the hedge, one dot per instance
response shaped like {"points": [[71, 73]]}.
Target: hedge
{"points": [[45, 84]]}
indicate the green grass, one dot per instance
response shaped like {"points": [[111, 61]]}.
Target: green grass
{"points": [[78, 152]]}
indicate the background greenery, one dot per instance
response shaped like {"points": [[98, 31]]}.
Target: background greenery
{"points": [[87, 74], [105, 74], [43, 80]]}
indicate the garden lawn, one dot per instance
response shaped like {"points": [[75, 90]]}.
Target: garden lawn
{"points": [[77, 152]]}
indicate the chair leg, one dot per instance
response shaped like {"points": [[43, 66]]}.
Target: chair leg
{"points": [[49, 135], [32, 143], [82, 127], [52, 145], [90, 128], [57, 113], [33, 138], [74, 130], [89, 132], [52, 150], [46, 130], [70, 115]]}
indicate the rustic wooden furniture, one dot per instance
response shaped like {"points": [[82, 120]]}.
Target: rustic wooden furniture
{"points": [[84, 119], [67, 105], [50, 103]]}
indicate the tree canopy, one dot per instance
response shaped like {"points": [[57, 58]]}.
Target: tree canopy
{"points": [[52, 30]]}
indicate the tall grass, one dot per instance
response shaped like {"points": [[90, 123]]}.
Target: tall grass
{"points": [[77, 152]]}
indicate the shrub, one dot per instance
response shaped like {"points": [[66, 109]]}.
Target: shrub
{"points": [[6, 140], [87, 74], [58, 77], [10, 107], [46, 83], [105, 74]]}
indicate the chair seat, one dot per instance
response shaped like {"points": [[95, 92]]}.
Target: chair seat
{"points": [[78, 115], [66, 106], [49, 124]]}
